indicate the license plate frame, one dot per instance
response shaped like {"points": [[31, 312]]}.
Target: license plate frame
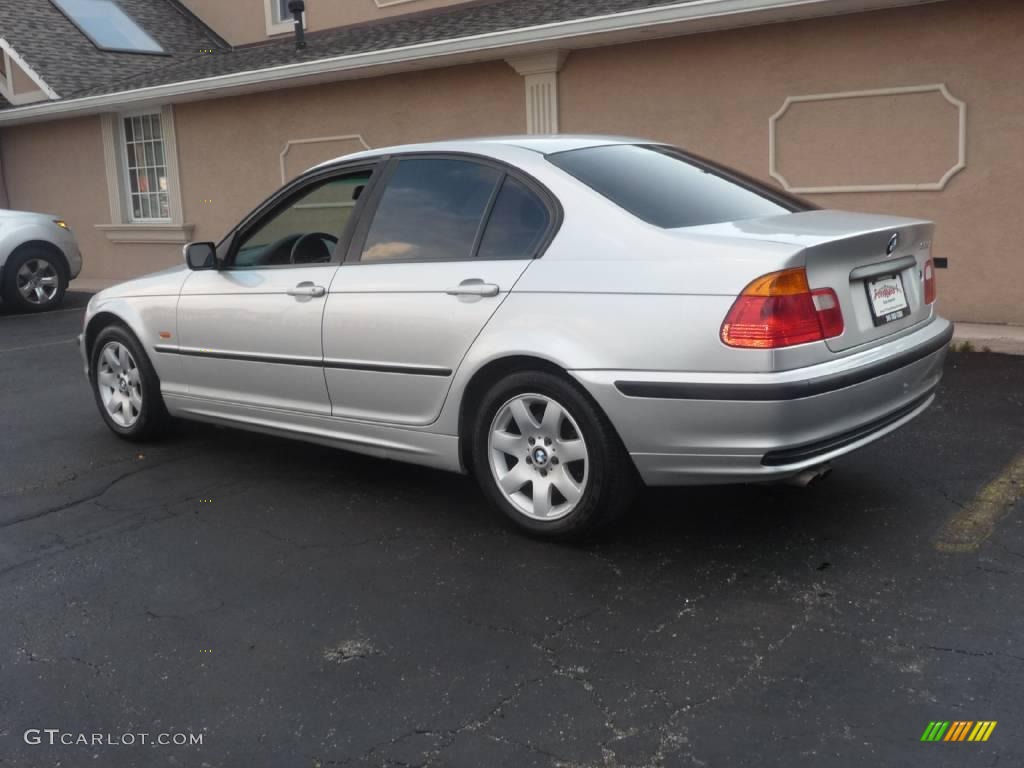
{"points": [[883, 310]]}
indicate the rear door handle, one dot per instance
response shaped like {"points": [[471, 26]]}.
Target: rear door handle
{"points": [[307, 288], [474, 287]]}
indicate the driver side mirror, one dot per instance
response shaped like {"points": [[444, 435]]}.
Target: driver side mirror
{"points": [[200, 255]]}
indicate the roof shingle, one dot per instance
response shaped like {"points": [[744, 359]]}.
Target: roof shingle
{"points": [[74, 67], [70, 64]]}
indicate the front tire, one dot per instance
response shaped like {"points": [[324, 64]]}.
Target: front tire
{"points": [[547, 457], [125, 386], [34, 280]]}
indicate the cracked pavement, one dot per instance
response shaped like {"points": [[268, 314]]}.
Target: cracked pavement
{"points": [[300, 606]]}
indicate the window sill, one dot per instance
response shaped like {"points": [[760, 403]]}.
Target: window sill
{"points": [[147, 233]]}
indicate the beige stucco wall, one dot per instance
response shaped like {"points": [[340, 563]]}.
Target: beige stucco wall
{"points": [[4, 201], [714, 94], [229, 149], [58, 168], [244, 21]]}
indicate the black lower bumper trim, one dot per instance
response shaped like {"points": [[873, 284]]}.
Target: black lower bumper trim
{"points": [[792, 390], [822, 447]]}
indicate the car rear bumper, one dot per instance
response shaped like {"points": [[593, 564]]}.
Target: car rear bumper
{"points": [[694, 428]]}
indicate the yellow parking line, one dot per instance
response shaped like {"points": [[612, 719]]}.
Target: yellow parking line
{"points": [[968, 528]]}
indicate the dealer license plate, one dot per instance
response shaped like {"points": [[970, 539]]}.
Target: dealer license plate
{"points": [[887, 298]]}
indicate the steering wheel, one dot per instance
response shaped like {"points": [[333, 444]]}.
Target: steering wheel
{"points": [[301, 241]]}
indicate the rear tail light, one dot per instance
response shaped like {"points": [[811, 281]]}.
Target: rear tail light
{"points": [[780, 310], [829, 314], [929, 282]]}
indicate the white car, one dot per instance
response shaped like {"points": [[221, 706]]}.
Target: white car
{"points": [[38, 258], [559, 316]]}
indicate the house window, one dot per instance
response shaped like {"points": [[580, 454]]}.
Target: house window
{"points": [[141, 160], [279, 19], [145, 164]]}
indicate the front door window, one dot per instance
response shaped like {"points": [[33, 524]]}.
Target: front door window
{"points": [[306, 229]]}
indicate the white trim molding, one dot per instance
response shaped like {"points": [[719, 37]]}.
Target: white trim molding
{"points": [[111, 131], [321, 140], [642, 24], [171, 161], [7, 85], [540, 76], [10, 53], [174, 234], [935, 186]]}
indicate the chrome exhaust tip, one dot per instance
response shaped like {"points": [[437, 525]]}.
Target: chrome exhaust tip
{"points": [[808, 476]]}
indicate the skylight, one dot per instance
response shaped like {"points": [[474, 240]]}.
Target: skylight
{"points": [[107, 26]]}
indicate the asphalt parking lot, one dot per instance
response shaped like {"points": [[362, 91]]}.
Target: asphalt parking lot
{"points": [[298, 606]]}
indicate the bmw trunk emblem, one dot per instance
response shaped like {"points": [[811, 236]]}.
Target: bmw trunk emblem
{"points": [[894, 243]]}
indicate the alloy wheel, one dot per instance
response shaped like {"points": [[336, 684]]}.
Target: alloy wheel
{"points": [[538, 457], [38, 281], [119, 383]]}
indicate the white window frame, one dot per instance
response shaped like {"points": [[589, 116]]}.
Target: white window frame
{"points": [[126, 176], [123, 227], [277, 26]]}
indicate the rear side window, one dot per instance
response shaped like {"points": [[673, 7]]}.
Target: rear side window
{"points": [[668, 189], [431, 210], [517, 224]]}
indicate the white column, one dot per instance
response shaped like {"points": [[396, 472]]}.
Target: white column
{"points": [[540, 75]]}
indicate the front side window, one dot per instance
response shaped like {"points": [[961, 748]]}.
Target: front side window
{"points": [[107, 26], [431, 210], [146, 168], [307, 228], [668, 189]]}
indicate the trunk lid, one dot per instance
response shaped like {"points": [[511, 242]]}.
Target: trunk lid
{"points": [[865, 258]]}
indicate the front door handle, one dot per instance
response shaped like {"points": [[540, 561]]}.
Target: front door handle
{"points": [[474, 287], [307, 288]]}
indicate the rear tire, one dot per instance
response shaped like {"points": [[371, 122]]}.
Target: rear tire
{"points": [[35, 280], [125, 386], [549, 459]]}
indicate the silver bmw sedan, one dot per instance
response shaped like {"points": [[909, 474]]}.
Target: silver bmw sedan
{"points": [[563, 317]]}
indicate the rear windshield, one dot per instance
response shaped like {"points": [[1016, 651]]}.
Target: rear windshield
{"points": [[670, 189]]}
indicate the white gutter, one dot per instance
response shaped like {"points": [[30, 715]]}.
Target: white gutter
{"points": [[680, 18]]}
